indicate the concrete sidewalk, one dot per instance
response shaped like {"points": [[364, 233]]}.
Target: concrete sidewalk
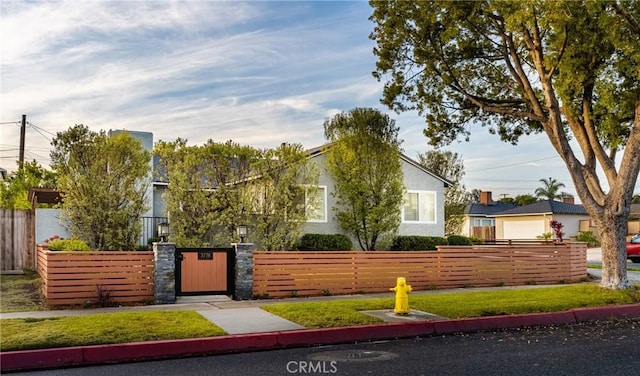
{"points": [[251, 328]]}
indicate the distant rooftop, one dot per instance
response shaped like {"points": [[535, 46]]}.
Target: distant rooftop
{"points": [[544, 207]]}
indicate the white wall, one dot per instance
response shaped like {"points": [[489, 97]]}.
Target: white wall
{"points": [[48, 224]]}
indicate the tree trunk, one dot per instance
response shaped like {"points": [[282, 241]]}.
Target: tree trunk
{"points": [[612, 225]]}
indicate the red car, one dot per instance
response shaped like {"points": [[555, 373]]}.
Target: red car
{"points": [[633, 249]]}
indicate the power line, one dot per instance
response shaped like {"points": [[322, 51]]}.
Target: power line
{"points": [[41, 129], [514, 164]]}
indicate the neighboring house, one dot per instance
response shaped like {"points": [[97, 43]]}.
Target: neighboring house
{"points": [[422, 213], [478, 221], [530, 221]]}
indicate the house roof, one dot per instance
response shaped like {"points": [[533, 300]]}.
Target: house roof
{"points": [[544, 207], [323, 148], [478, 209]]}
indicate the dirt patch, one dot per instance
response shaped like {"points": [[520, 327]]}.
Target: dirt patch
{"points": [[21, 292]]}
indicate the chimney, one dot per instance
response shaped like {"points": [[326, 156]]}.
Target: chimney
{"points": [[568, 200], [485, 198]]}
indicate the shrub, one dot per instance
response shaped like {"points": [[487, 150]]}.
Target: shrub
{"points": [[589, 238], [417, 243], [458, 240], [324, 242], [68, 245], [474, 240], [545, 236]]}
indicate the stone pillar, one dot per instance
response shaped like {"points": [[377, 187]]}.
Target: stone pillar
{"points": [[164, 257], [244, 271]]}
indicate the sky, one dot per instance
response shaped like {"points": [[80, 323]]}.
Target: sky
{"points": [[259, 73]]}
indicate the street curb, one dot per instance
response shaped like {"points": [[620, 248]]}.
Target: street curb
{"points": [[152, 350]]}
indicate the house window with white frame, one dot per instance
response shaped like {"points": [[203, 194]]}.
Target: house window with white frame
{"points": [[315, 200], [419, 207]]}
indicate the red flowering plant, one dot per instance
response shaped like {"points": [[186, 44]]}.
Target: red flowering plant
{"points": [[557, 229]]}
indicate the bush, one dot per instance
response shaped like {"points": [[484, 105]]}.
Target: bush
{"points": [[458, 240], [325, 242], [474, 240], [68, 245], [417, 243], [589, 238]]}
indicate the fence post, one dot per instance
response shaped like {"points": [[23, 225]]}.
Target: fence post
{"points": [[164, 274], [243, 289]]}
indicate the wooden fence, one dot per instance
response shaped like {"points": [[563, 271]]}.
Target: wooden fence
{"points": [[286, 274], [71, 278], [16, 239]]}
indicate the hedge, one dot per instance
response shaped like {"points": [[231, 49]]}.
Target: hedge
{"points": [[417, 243], [325, 242]]}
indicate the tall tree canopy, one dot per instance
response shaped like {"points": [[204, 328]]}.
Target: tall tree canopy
{"points": [[364, 161], [450, 166], [215, 187], [104, 182], [203, 204], [550, 189], [14, 191], [566, 68]]}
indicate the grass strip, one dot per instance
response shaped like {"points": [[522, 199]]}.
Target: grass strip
{"points": [[456, 305], [104, 328], [599, 266]]}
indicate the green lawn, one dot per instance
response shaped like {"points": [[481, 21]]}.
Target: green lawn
{"points": [[456, 305], [121, 327]]}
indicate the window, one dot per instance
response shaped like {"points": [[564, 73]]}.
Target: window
{"points": [[315, 200], [419, 206], [484, 222]]}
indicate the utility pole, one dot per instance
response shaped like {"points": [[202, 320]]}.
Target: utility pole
{"points": [[23, 128]]}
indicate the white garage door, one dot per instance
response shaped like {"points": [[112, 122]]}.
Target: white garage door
{"points": [[523, 229]]}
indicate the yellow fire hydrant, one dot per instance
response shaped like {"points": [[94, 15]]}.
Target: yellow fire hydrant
{"points": [[402, 296]]}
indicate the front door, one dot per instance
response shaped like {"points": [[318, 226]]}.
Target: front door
{"points": [[204, 271]]}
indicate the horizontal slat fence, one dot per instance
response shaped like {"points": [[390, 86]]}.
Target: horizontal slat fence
{"points": [[72, 278], [285, 274]]}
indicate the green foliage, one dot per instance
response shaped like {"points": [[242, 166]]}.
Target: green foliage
{"points": [[520, 200], [14, 191], [455, 305], [104, 328], [545, 236], [566, 68], [204, 202], [325, 242], [282, 196], [475, 240], [364, 161], [589, 238], [68, 245], [550, 189], [417, 243], [104, 182], [458, 240], [215, 187], [451, 167]]}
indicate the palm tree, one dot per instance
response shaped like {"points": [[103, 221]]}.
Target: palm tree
{"points": [[550, 189]]}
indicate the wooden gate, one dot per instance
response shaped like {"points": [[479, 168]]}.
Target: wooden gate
{"points": [[205, 271]]}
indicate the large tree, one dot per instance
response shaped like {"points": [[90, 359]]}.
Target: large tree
{"points": [[450, 166], [364, 161], [202, 199], [14, 191], [566, 68], [104, 182], [550, 189], [281, 195]]}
